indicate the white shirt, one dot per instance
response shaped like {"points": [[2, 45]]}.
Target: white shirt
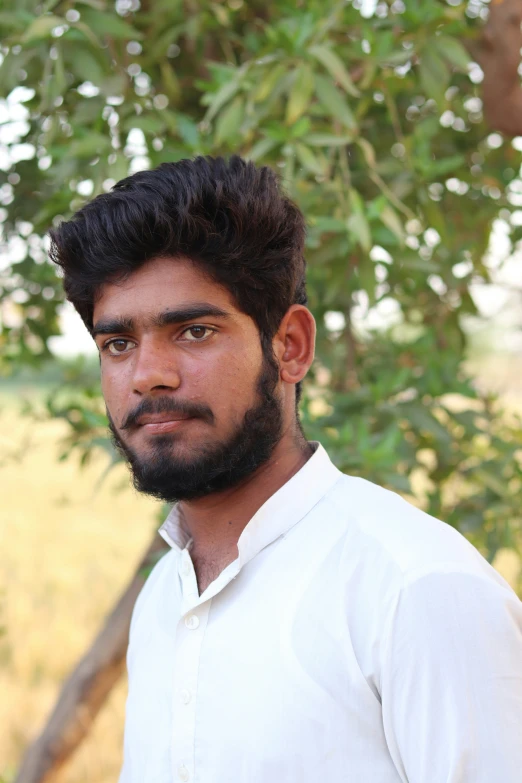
{"points": [[355, 639]]}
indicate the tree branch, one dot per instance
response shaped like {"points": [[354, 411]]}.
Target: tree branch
{"points": [[87, 688], [499, 58]]}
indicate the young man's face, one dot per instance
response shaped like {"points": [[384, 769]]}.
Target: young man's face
{"points": [[192, 402]]}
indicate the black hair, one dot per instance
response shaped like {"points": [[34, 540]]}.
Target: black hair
{"points": [[230, 217]]}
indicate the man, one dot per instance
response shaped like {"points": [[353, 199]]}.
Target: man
{"points": [[306, 626]]}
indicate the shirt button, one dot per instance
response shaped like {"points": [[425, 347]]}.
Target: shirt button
{"points": [[192, 622], [185, 696], [185, 568], [183, 772]]}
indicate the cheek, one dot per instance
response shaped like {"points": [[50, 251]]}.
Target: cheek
{"points": [[115, 391], [219, 382], [108, 381], [228, 382], [232, 364]]}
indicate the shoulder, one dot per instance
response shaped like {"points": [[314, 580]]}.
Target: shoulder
{"points": [[400, 570], [383, 528]]}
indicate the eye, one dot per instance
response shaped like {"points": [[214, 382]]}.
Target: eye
{"points": [[117, 347], [195, 334]]}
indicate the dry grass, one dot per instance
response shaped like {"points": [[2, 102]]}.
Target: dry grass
{"points": [[65, 557]]}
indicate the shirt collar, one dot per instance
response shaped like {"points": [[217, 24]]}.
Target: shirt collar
{"points": [[278, 514]]}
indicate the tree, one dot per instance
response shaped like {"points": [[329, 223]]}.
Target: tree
{"points": [[376, 125]]}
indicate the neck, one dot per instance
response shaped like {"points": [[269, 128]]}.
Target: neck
{"points": [[216, 522]]}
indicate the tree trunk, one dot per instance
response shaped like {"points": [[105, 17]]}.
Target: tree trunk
{"points": [[85, 691], [499, 58]]}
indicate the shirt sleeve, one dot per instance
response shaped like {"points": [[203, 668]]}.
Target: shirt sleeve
{"points": [[451, 681]]}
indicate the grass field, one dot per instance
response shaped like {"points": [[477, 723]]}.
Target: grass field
{"points": [[65, 556]]}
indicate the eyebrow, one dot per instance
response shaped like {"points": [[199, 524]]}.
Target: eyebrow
{"points": [[167, 317]]}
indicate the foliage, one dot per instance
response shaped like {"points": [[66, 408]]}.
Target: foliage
{"points": [[375, 125]]}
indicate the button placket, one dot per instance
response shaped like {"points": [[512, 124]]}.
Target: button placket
{"points": [[189, 640]]}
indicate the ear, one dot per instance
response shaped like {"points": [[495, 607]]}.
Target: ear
{"points": [[294, 343]]}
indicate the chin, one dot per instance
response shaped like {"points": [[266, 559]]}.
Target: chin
{"points": [[172, 446]]}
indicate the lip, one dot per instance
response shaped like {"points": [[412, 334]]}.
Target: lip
{"points": [[159, 424]]}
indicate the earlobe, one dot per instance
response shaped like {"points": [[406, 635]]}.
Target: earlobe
{"points": [[292, 377]]}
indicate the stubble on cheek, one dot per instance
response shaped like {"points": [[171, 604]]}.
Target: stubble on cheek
{"points": [[114, 391]]}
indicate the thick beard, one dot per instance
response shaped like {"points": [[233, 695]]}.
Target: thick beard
{"points": [[217, 469]]}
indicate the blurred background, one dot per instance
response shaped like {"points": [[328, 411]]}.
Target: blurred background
{"points": [[397, 128]]}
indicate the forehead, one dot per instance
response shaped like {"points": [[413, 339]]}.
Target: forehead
{"points": [[160, 284]]}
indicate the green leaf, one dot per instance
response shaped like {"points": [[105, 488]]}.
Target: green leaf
{"points": [[166, 37], [453, 51], [423, 420], [366, 270], [268, 83], [357, 223], [300, 128], [120, 168], [495, 483], [392, 221], [148, 123], [59, 77], [438, 168], [221, 13], [89, 146], [109, 25], [83, 63], [399, 57], [434, 73], [419, 265], [227, 125], [334, 102], [397, 482], [88, 33], [328, 224], [360, 230], [170, 81], [260, 149], [188, 130], [300, 94], [224, 94], [113, 85], [327, 140], [41, 28], [307, 159], [15, 20], [88, 110], [368, 152], [99, 5], [334, 65]]}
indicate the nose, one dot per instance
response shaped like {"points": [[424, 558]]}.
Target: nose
{"points": [[155, 368]]}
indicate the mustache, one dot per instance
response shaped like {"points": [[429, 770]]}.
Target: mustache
{"points": [[194, 410]]}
